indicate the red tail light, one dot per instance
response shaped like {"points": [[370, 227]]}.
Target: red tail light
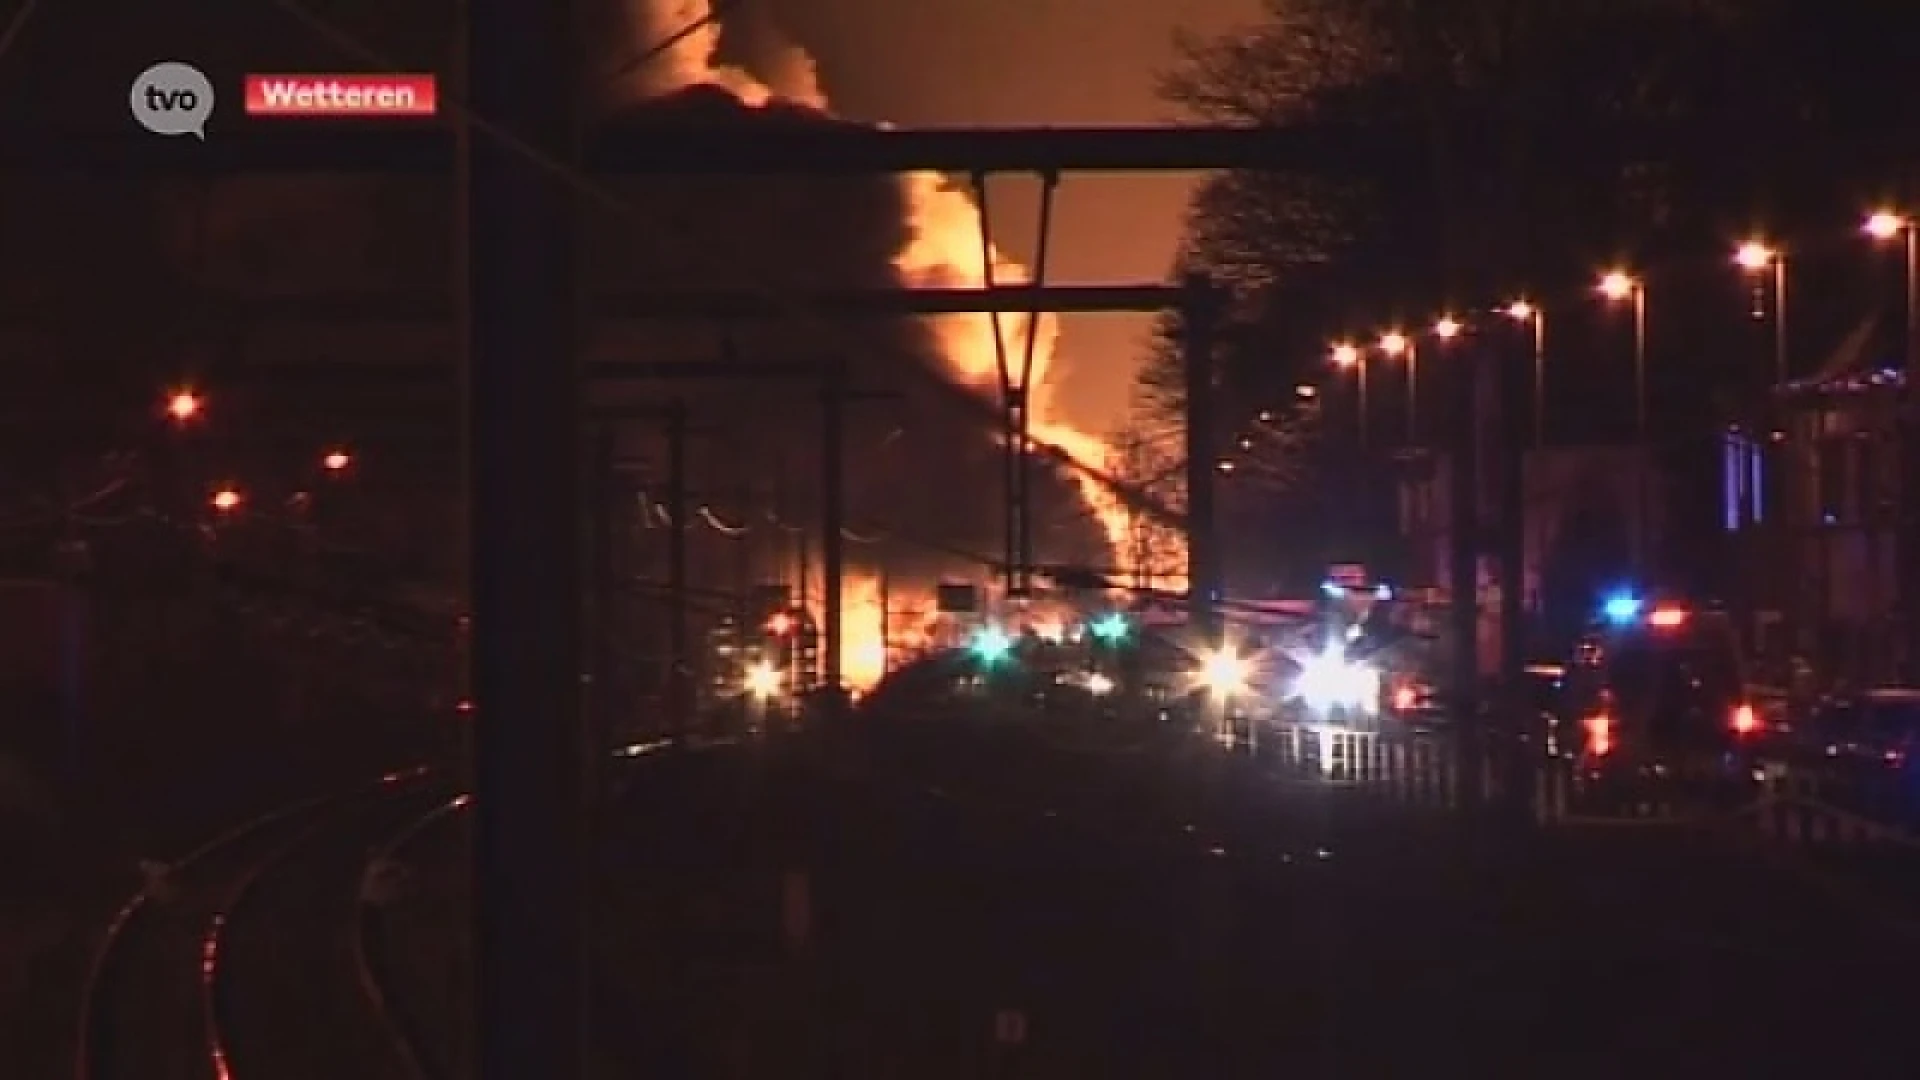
{"points": [[1599, 734], [1404, 699], [1745, 720]]}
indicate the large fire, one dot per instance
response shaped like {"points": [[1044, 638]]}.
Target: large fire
{"points": [[944, 249]]}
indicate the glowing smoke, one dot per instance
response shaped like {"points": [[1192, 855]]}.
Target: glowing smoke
{"points": [[942, 248]]}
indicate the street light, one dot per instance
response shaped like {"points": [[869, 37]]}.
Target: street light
{"points": [[1755, 258], [1618, 286], [335, 461], [1224, 673], [1884, 226], [1348, 357], [183, 405], [1447, 328], [1393, 343], [763, 681], [226, 500], [1530, 314]]}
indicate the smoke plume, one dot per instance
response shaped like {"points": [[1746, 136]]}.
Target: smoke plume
{"points": [[924, 470]]}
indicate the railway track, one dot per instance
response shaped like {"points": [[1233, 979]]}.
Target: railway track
{"points": [[244, 958]]}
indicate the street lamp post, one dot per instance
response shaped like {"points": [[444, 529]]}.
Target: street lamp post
{"points": [[1349, 357], [1757, 258], [1393, 343], [1527, 312], [1888, 225], [1619, 285]]}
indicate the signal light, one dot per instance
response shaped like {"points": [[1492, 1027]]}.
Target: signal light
{"points": [[1110, 628], [1745, 720], [990, 645]]}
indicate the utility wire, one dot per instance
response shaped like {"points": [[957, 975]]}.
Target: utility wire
{"points": [[716, 10]]}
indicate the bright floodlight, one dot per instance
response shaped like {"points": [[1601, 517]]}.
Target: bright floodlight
{"points": [[1884, 225], [1331, 681], [763, 680], [1447, 328], [1099, 685], [1754, 256], [1346, 355], [1224, 673], [1394, 343], [1617, 285]]}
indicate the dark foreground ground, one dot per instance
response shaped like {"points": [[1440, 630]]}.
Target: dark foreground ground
{"points": [[950, 897], [202, 711]]}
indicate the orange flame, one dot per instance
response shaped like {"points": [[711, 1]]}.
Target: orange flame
{"points": [[943, 249]]}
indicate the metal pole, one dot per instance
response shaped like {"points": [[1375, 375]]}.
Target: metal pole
{"points": [[1909, 471], [1413, 393], [1463, 488], [1643, 524], [599, 602], [1199, 315], [1539, 378], [1780, 369], [833, 517], [1360, 384], [1510, 549], [886, 620], [525, 391], [679, 526]]}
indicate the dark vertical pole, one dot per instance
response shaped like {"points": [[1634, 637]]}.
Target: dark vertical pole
{"points": [[679, 525], [743, 560], [1019, 497], [1010, 468], [1199, 318], [524, 396], [1461, 375], [602, 590], [1909, 467], [1510, 453], [833, 515], [886, 620], [1510, 546]]}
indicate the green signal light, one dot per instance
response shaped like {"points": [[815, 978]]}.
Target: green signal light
{"points": [[991, 644], [1111, 628]]}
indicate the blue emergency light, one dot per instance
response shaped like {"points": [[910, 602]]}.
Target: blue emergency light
{"points": [[1621, 607]]}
